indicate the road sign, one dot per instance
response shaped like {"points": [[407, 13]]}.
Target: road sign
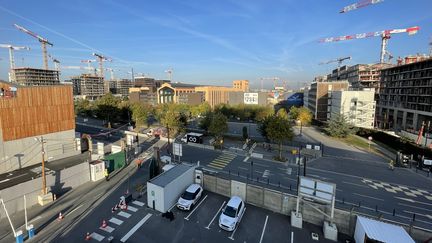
{"points": [[178, 149], [317, 190]]}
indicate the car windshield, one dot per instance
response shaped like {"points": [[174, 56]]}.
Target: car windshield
{"points": [[188, 196], [230, 211]]}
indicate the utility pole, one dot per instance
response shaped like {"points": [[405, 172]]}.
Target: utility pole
{"points": [[43, 167], [427, 133]]}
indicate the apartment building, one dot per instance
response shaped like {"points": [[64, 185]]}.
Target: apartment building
{"points": [[356, 106], [405, 97], [35, 77], [318, 96], [89, 86], [120, 87], [143, 95], [29, 112]]}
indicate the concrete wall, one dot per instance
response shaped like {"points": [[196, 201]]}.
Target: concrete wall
{"points": [[283, 203], [58, 182], [24, 152]]}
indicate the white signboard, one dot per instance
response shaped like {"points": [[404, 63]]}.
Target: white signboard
{"points": [[178, 149], [317, 190], [251, 98], [427, 162]]}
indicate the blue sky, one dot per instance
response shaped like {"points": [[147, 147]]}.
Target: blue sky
{"points": [[211, 42]]}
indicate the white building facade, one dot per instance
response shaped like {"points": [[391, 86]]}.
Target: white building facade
{"points": [[358, 107]]}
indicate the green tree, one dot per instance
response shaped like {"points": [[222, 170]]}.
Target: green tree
{"points": [[204, 122], [263, 112], [218, 127], [83, 107], [172, 120], [338, 127], [245, 133], [282, 113], [294, 112], [304, 116], [200, 110], [279, 130], [140, 114], [107, 107], [262, 126]]}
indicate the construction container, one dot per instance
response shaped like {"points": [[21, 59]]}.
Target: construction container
{"points": [[115, 161], [164, 190]]}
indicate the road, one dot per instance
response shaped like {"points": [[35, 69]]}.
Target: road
{"points": [[363, 179]]}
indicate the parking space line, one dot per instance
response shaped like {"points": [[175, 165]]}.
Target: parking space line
{"points": [[116, 221], [97, 236], [187, 217], [107, 229], [246, 159], [265, 225], [208, 226], [138, 203], [232, 235], [135, 228]]}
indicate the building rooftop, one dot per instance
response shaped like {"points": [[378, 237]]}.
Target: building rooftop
{"points": [[167, 177], [183, 85]]}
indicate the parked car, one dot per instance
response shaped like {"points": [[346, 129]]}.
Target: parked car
{"points": [[232, 213], [190, 197]]}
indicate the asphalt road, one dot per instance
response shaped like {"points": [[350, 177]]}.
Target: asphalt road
{"points": [[362, 179]]}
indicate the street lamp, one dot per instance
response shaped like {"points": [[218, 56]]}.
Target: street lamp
{"points": [[301, 126]]}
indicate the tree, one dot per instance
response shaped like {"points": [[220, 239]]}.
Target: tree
{"points": [[282, 113], [200, 110], [304, 116], [218, 127], [83, 107], [205, 121], [107, 107], [279, 130], [140, 114], [245, 133], [171, 120], [294, 112], [263, 112], [262, 126], [338, 127]]}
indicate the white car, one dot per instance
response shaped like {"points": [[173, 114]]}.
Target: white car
{"points": [[232, 213], [190, 197]]}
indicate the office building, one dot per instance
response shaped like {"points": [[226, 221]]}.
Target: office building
{"points": [[356, 106], [319, 94], [30, 112], [143, 95], [89, 86]]}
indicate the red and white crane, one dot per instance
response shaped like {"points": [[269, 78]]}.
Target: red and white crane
{"points": [[101, 59], [12, 58], [42, 40], [360, 4], [89, 64], [384, 34]]}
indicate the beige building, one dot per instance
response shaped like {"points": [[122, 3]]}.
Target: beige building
{"points": [[318, 97], [358, 107], [215, 95], [170, 92]]}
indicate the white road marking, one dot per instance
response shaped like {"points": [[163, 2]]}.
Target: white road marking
{"points": [[424, 215], [410, 194], [232, 235], [74, 210], [135, 228], [355, 184], [412, 201], [138, 203], [266, 173], [407, 205], [130, 208], [361, 195], [246, 159], [13, 178], [124, 214], [97, 236], [107, 229], [243, 168], [208, 226], [187, 217], [265, 225], [116, 221]]}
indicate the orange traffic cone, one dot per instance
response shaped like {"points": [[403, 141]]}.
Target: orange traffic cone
{"points": [[60, 217], [88, 237], [104, 224]]}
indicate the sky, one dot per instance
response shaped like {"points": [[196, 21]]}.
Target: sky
{"points": [[210, 42]]}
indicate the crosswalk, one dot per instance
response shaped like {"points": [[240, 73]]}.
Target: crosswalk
{"points": [[221, 161], [116, 221]]}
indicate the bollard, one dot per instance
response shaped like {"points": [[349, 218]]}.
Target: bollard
{"points": [[279, 183], [257, 179], [413, 219], [394, 212], [19, 236], [30, 230], [343, 200], [359, 204], [229, 172], [376, 208], [290, 187], [238, 173]]}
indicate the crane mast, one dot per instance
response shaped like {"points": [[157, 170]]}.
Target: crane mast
{"points": [[101, 59]]}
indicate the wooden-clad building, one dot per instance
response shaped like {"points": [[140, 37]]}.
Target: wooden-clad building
{"points": [[27, 112]]}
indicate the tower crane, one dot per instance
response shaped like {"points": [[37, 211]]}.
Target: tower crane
{"points": [[78, 67], [169, 72], [111, 70], [274, 80], [55, 61], [101, 59], [44, 42], [338, 60], [384, 34], [89, 64], [12, 58], [360, 4]]}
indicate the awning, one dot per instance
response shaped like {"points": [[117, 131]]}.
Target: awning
{"points": [[384, 232]]}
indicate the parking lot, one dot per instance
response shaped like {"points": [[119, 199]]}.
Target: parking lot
{"points": [[201, 225]]}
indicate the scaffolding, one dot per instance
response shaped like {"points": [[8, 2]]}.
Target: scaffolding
{"points": [[36, 77]]}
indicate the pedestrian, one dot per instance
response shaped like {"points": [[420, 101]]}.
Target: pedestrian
{"points": [[106, 174]]}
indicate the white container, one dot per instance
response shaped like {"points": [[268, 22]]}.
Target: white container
{"points": [[164, 190]]}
